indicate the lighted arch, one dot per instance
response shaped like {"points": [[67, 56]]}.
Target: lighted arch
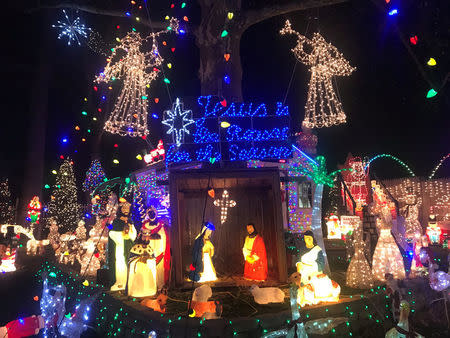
{"points": [[438, 166], [399, 161]]}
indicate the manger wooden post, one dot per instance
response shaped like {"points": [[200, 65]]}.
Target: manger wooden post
{"points": [[175, 238], [278, 220]]}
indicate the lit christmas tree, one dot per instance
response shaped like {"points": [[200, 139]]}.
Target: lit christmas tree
{"points": [[63, 206], [6, 208], [94, 176]]}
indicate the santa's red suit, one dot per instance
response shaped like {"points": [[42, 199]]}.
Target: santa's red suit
{"points": [[23, 327]]}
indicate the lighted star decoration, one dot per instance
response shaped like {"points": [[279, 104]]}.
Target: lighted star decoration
{"points": [[323, 108], [72, 30], [178, 120], [224, 204]]}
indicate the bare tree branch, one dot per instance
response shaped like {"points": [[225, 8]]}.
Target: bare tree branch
{"points": [[156, 25], [257, 15]]}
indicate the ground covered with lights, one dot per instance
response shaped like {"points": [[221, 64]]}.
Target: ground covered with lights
{"points": [[362, 313]]}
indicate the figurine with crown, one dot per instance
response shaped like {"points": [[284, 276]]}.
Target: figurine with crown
{"points": [[149, 257]]}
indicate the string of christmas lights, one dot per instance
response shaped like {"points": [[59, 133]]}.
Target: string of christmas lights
{"points": [[433, 172], [396, 159]]}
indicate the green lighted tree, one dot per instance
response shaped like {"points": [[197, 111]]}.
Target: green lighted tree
{"points": [[317, 171], [6, 205], [64, 206]]}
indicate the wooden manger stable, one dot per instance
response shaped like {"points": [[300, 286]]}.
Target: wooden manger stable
{"points": [[258, 200]]}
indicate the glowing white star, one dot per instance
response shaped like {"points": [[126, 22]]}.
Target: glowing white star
{"points": [[178, 120], [72, 30]]}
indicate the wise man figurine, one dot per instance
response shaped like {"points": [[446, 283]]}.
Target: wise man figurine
{"points": [[121, 238], [255, 256], [147, 269]]}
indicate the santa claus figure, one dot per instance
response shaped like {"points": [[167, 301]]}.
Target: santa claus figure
{"points": [[255, 256], [34, 210]]}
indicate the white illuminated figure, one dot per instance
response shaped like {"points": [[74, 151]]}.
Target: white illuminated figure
{"points": [[122, 236], [316, 286], [146, 272], [323, 108], [411, 214], [387, 257]]}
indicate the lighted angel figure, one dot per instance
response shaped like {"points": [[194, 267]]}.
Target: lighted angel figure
{"points": [[323, 108], [138, 70]]}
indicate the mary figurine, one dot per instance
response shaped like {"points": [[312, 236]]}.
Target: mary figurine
{"points": [[202, 268]]}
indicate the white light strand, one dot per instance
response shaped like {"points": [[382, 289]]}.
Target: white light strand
{"points": [[224, 204], [323, 108], [178, 119], [72, 30], [359, 275]]}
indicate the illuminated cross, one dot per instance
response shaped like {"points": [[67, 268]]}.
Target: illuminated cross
{"points": [[224, 203]]}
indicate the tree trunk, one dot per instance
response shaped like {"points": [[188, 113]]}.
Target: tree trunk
{"points": [[316, 225], [215, 50], [34, 164], [214, 67]]}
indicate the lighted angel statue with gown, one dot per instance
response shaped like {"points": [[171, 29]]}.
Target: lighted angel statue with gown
{"points": [[323, 108], [387, 257]]}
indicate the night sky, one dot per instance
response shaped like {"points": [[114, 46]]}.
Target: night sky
{"points": [[384, 100]]}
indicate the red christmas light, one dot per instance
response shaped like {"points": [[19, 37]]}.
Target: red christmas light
{"points": [[413, 40]]}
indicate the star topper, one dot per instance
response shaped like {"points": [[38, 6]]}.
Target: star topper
{"points": [[224, 203], [178, 120]]}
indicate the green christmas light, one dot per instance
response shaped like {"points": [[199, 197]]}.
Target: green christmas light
{"points": [[166, 80], [84, 113], [46, 186], [431, 93], [224, 34], [183, 5]]}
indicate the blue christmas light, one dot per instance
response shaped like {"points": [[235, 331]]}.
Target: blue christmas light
{"points": [[205, 153], [155, 116], [181, 31], [64, 140], [202, 134], [236, 133], [393, 12], [226, 79], [127, 13], [238, 153]]}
